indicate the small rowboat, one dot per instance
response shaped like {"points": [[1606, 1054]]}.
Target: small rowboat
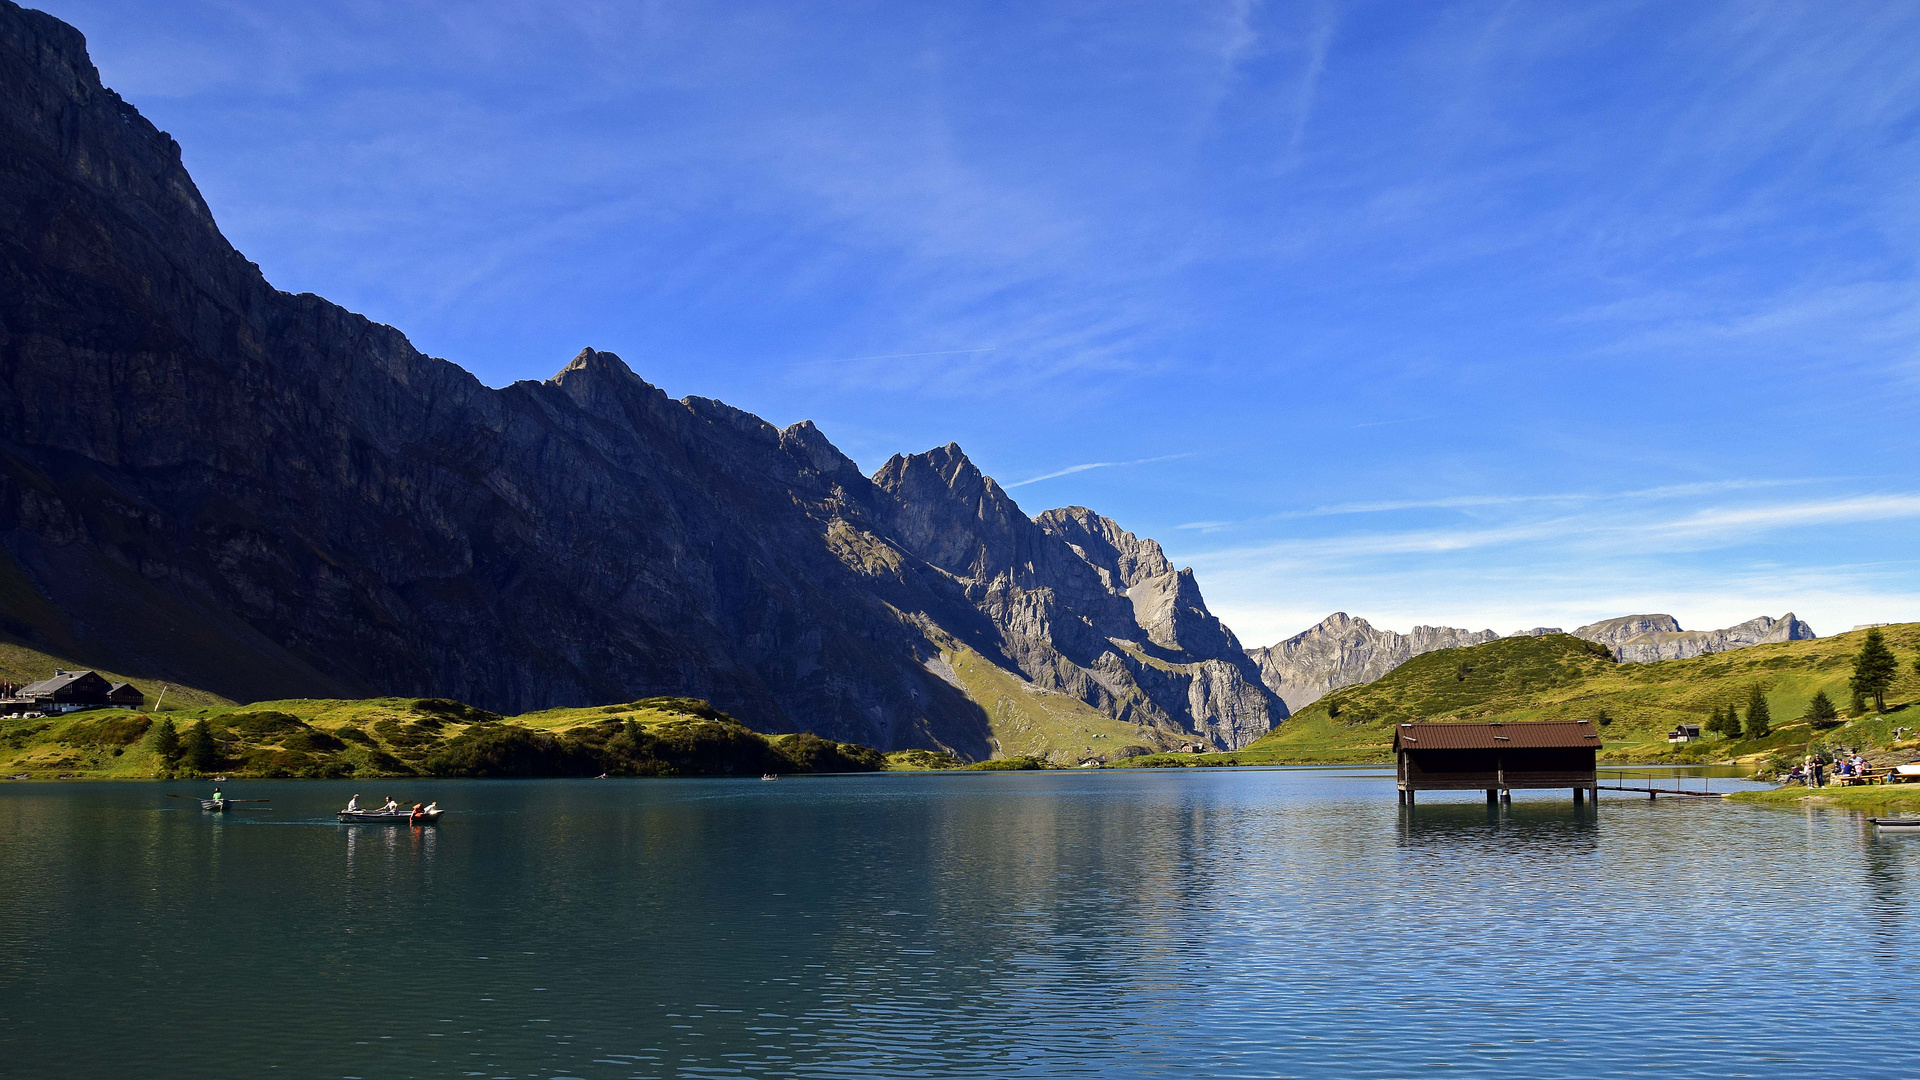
{"points": [[218, 806], [367, 817], [1897, 824]]}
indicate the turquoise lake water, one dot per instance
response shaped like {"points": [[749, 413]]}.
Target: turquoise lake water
{"points": [[1191, 923]]}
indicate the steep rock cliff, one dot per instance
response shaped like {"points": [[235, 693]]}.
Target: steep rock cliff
{"points": [[203, 477], [1345, 651], [1664, 640]]}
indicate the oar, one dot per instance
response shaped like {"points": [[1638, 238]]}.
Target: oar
{"points": [[246, 800], [171, 795]]}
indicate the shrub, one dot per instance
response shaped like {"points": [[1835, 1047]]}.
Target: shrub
{"points": [[1023, 763], [457, 711], [809, 753], [504, 750], [260, 725], [934, 759], [114, 730], [313, 741]]}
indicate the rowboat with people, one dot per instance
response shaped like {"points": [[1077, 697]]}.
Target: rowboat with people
{"points": [[219, 804], [392, 813]]}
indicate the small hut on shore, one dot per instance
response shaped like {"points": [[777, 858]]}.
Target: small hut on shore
{"points": [[1497, 757]]}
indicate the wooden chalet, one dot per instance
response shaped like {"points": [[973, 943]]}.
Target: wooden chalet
{"points": [[1496, 757], [67, 691]]}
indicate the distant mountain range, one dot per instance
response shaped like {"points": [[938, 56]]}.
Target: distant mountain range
{"points": [[265, 495], [1343, 651]]}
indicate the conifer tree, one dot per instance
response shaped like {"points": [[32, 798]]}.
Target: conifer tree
{"points": [[1821, 712], [202, 753], [1759, 717], [1724, 722], [165, 741], [1873, 670]]}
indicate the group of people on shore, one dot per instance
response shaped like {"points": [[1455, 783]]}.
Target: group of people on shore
{"points": [[1813, 771]]}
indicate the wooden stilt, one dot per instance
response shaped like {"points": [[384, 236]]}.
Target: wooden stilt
{"points": [[1493, 795], [1579, 796]]}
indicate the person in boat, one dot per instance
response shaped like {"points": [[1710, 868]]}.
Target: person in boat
{"points": [[432, 808], [216, 795], [353, 805], [391, 807], [416, 815]]}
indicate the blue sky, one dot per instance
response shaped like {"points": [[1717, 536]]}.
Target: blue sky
{"points": [[1480, 314]]}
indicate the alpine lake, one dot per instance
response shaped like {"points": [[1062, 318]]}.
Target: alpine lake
{"points": [[1145, 923]]}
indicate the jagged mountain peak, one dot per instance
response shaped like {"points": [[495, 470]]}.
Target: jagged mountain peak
{"points": [[809, 444], [592, 361], [316, 509], [1126, 559], [1345, 650], [1615, 632]]}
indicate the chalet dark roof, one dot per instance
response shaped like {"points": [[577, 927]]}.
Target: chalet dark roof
{"points": [[48, 687], [1528, 735]]}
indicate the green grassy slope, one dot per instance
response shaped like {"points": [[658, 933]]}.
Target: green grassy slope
{"points": [[23, 663], [1026, 722], [425, 737], [1560, 677]]}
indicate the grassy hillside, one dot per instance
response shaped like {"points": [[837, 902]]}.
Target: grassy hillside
{"points": [[422, 737], [1028, 723], [1560, 677], [23, 664]]}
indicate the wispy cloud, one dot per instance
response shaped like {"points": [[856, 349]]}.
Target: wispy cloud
{"points": [[1609, 531], [1071, 469], [1466, 502]]}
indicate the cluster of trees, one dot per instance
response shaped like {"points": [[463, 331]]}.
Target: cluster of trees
{"points": [[1759, 718], [1874, 669], [197, 750]]}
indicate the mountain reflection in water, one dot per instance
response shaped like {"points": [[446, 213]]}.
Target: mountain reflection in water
{"points": [[1148, 923]]}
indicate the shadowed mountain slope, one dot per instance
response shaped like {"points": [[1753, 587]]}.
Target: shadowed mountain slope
{"points": [[269, 496]]}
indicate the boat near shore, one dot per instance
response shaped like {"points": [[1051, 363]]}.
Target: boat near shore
{"points": [[1894, 824]]}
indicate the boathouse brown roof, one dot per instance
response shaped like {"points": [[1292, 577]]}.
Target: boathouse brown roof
{"points": [[1526, 735]]}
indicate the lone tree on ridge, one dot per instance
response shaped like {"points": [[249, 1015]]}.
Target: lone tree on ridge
{"points": [[1874, 669], [1759, 717]]}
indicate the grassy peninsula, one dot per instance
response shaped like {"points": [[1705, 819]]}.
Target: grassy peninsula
{"points": [[662, 736], [1561, 677]]}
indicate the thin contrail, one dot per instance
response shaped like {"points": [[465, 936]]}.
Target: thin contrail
{"points": [[1071, 469], [905, 355]]}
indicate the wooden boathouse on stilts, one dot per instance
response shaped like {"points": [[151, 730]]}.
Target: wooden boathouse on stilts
{"points": [[1496, 757]]}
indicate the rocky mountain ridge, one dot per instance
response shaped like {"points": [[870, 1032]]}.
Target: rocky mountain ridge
{"points": [[262, 493], [1343, 650], [1659, 637]]}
